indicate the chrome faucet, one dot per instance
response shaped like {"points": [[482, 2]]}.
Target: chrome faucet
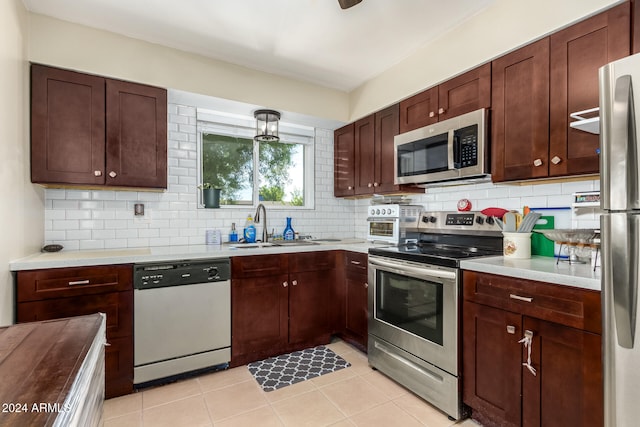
{"points": [[256, 219]]}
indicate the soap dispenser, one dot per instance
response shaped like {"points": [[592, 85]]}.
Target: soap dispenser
{"points": [[249, 230], [288, 233], [233, 234]]}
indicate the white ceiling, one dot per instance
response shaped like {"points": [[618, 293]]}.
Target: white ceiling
{"points": [[310, 40]]}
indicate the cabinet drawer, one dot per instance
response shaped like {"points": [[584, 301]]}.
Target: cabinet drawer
{"points": [[355, 262], [118, 306], [312, 261], [36, 285], [577, 308], [259, 266]]}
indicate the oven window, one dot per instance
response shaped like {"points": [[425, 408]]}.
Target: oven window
{"points": [[411, 304], [381, 229], [424, 156]]}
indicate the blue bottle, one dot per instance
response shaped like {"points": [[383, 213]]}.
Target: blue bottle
{"points": [[249, 231], [288, 233]]}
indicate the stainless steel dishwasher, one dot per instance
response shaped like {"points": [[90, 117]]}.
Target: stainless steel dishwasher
{"points": [[182, 318]]}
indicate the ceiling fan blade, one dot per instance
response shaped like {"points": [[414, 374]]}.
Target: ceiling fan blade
{"points": [[346, 4]]}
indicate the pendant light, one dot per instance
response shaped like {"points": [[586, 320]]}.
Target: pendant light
{"points": [[267, 126]]}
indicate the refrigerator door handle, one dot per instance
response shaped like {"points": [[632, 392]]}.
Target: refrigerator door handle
{"points": [[622, 272], [624, 158]]}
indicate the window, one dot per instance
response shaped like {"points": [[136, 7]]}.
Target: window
{"points": [[278, 174]]}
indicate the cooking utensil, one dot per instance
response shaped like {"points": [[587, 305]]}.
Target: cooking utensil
{"points": [[500, 223], [494, 212], [529, 222], [509, 222]]}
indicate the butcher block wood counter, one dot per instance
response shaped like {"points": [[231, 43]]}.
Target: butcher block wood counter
{"points": [[52, 372]]}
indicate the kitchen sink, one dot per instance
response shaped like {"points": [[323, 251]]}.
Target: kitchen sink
{"points": [[253, 245], [294, 243], [273, 244]]}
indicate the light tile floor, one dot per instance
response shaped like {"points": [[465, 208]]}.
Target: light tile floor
{"points": [[355, 396]]}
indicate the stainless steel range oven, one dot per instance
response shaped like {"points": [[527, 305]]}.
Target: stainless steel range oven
{"points": [[414, 304]]}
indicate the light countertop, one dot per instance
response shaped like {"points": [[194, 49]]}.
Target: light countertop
{"points": [[171, 253], [543, 269]]}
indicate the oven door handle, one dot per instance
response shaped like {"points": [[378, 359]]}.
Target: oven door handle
{"points": [[401, 268]]}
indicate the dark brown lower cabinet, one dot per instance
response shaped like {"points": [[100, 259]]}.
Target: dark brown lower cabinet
{"points": [[356, 285], [67, 292], [280, 303], [563, 324]]}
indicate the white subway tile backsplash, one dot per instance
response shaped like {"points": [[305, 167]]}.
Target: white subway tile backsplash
{"points": [[97, 219]]}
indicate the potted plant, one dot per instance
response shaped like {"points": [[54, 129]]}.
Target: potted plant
{"points": [[210, 195]]}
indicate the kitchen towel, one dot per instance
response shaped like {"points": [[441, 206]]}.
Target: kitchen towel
{"points": [[280, 371]]}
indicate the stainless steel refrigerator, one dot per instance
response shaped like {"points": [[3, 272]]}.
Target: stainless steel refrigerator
{"points": [[620, 236]]}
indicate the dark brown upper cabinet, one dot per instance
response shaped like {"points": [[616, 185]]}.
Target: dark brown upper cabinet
{"points": [[459, 95], [93, 131], [343, 161], [364, 156], [520, 113], [535, 88], [576, 55]]}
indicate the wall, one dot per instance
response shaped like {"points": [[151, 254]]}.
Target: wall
{"points": [[21, 210], [82, 48], [512, 197], [99, 219], [502, 27]]}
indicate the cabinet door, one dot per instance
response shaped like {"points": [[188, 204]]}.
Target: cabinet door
{"points": [[309, 305], [344, 161], [491, 363], [419, 110], [465, 93], [364, 155], [567, 390], [259, 314], [387, 126], [118, 360], [356, 306], [136, 135], [576, 55], [67, 127], [520, 122]]}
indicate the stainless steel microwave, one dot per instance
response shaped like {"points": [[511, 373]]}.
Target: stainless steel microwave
{"points": [[450, 150]]}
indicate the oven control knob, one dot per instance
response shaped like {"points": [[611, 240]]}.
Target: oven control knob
{"points": [[490, 220], [432, 219], [377, 211], [384, 211], [479, 220]]}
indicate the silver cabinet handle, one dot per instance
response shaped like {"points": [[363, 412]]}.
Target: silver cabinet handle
{"points": [[527, 341], [79, 282], [366, 286], [97, 173], [511, 329], [519, 298], [285, 284], [349, 188], [432, 114], [369, 185], [441, 110], [537, 162], [112, 174], [294, 283], [555, 160], [356, 262], [375, 184]]}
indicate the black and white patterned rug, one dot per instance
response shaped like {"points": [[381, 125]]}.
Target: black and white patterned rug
{"points": [[277, 372]]}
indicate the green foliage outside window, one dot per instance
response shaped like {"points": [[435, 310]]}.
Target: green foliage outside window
{"points": [[227, 163]]}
